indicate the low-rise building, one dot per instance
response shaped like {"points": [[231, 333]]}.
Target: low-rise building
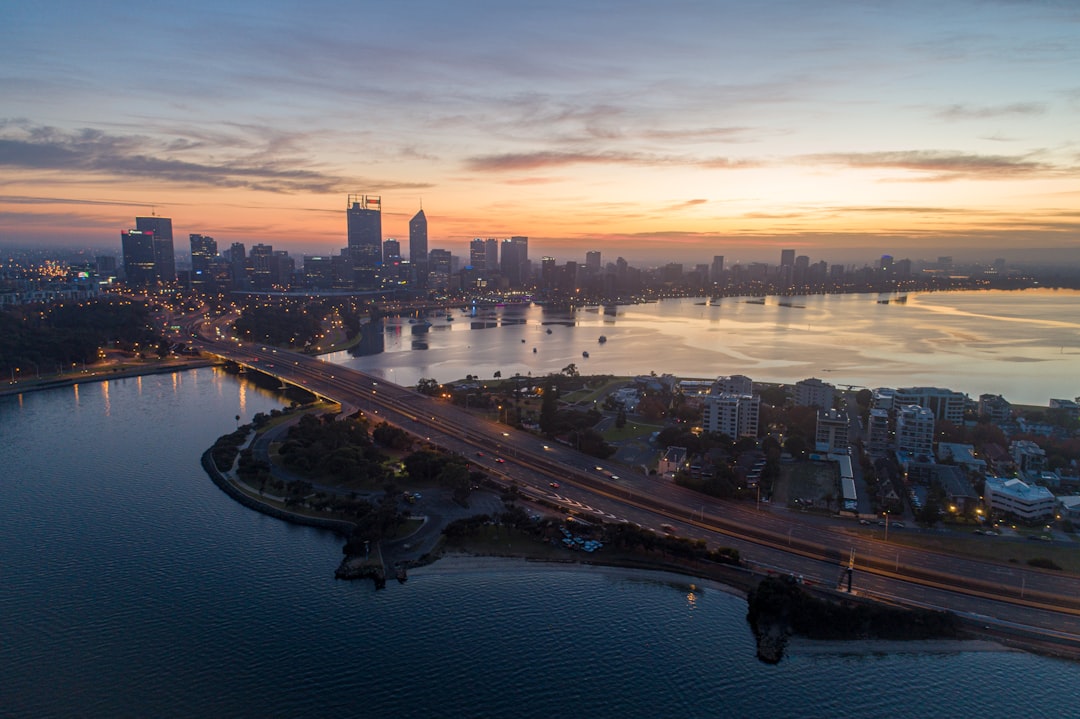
{"points": [[1018, 498], [1029, 457], [673, 462], [962, 455]]}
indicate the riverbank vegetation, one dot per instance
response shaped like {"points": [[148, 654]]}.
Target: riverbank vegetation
{"points": [[47, 339]]}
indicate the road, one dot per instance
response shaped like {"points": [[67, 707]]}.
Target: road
{"points": [[773, 539]]}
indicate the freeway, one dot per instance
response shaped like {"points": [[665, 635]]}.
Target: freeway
{"points": [[774, 540]]}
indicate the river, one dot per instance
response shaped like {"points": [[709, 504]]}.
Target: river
{"points": [[130, 586], [1024, 345]]}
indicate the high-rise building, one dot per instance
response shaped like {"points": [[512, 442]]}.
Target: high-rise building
{"points": [[733, 415], [478, 254], [831, 434], [548, 273], [140, 267], [365, 238], [814, 393], [787, 258], [491, 254], [592, 262], [418, 247], [716, 272], [514, 260], [203, 253], [164, 256], [915, 430], [391, 250], [238, 265], [260, 266], [439, 269]]}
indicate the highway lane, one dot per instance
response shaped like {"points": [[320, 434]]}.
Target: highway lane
{"points": [[773, 538]]}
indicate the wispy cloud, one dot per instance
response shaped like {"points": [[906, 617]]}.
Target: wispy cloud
{"points": [[516, 161], [188, 161], [983, 112], [942, 165]]}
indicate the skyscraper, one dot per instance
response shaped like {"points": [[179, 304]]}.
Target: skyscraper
{"points": [[164, 256], [418, 247], [592, 262], [203, 252], [140, 269], [365, 238], [514, 263]]}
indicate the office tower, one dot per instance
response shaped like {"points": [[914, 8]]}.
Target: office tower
{"points": [[106, 265], [365, 238], [787, 258], [203, 252], [478, 254], [319, 271], [514, 260], [164, 256], [259, 266], [548, 273], [238, 265], [491, 254], [439, 262], [418, 247], [140, 267], [716, 272], [391, 250], [592, 262]]}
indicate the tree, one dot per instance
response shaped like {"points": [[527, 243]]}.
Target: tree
{"points": [[548, 408], [571, 370], [428, 386], [498, 374], [620, 418]]}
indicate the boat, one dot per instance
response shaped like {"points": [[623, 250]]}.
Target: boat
{"points": [[534, 350], [602, 339], [523, 341], [549, 331], [585, 355]]}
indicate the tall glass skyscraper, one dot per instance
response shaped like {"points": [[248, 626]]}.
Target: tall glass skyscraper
{"points": [[365, 238], [418, 247], [164, 256]]}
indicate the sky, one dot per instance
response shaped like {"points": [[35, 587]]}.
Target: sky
{"points": [[655, 131]]}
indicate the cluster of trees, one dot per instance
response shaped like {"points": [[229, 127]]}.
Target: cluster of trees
{"points": [[281, 325], [450, 471], [325, 447], [40, 339], [629, 537]]}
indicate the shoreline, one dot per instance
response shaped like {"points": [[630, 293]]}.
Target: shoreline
{"points": [[102, 375]]}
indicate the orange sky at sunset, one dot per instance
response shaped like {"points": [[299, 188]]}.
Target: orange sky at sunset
{"points": [[659, 132]]}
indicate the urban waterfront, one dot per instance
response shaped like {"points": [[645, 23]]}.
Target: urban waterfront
{"points": [[131, 586], [1024, 345]]}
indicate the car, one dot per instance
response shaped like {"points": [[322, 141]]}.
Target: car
{"points": [[899, 525], [478, 454], [500, 460], [553, 485]]}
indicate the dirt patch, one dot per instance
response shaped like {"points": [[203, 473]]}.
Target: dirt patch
{"points": [[807, 485]]}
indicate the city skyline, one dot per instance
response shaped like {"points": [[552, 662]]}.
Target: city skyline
{"points": [[656, 133]]}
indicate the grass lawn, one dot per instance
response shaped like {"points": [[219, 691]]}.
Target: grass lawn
{"points": [[631, 430], [505, 541]]}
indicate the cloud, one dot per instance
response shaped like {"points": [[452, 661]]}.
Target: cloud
{"points": [[982, 112], [513, 161], [29, 200], [941, 165], [98, 154]]}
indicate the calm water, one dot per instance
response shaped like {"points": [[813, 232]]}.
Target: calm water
{"points": [[1023, 345], [130, 586]]}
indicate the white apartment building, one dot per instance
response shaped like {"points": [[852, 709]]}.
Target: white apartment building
{"points": [[733, 384], [1013, 496], [944, 403], [915, 430], [814, 393], [735, 415], [1030, 458], [832, 431], [878, 437]]}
